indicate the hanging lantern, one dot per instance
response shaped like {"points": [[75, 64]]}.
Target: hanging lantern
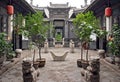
{"points": [[10, 9], [108, 11]]}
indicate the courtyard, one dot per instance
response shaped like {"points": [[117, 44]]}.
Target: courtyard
{"points": [[61, 71], [60, 42]]}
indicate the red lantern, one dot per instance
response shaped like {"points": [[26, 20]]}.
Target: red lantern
{"points": [[10, 9], [108, 11]]}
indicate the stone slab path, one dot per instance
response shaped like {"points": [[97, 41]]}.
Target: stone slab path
{"points": [[60, 71]]}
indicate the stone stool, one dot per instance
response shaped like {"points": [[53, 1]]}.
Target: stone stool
{"points": [[18, 52], [46, 47], [72, 45], [101, 53]]}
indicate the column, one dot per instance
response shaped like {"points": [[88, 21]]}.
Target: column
{"points": [[108, 25], [66, 30], [51, 33], [10, 27]]}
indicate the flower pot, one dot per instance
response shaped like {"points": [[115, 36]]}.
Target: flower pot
{"points": [[85, 64], [41, 62]]}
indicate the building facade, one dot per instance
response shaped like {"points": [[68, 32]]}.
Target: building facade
{"points": [[60, 16], [6, 20], [106, 23]]}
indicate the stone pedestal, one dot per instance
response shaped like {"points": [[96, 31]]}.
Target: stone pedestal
{"points": [[46, 46], [18, 52], [101, 53], [72, 46]]}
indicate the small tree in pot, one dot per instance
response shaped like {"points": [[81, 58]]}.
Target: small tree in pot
{"points": [[35, 28], [86, 25], [114, 43], [5, 49]]}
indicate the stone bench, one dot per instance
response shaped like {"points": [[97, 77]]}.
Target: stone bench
{"points": [[59, 58]]}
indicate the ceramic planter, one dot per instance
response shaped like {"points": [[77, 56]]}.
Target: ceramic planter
{"points": [[41, 62], [36, 64], [85, 64]]}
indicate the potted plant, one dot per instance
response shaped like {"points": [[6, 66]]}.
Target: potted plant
{"points": [[35, 29], [2, 47], [58, 38], [114, 43], [5, 48], [9, 51], [86, 24]]}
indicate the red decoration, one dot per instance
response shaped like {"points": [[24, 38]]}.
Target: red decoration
{"points": [[108, 11], [10, 9]]}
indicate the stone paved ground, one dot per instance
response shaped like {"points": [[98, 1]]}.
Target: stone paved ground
{"points": [[64, 71]]}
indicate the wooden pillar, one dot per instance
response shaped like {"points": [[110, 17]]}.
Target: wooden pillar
{"points": [[66, 29], [108, 25], [51, 34], [10, 27]]}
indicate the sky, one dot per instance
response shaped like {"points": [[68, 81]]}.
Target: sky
{"points": [[45, 3]]}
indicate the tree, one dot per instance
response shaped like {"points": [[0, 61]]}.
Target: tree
{"points": [[36, 29], [87, 24]]}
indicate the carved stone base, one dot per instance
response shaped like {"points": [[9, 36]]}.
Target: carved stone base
{"points": [[92, 77], [79, 63]]}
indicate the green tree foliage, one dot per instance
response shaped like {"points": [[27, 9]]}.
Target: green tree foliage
{"points": [[114, 44], [58, 37], [5, 46], [36, 29], [35, 25], [18, 23], [85, 25]]}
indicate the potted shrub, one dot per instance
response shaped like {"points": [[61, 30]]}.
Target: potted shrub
{"points": [[5, 48], [3, 44], [86, 24], [114, 43], [58, 38], [35, 29], [9, 51]]}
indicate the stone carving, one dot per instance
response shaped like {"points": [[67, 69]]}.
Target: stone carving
{"points": [[91, 74], [59, 58], [72, 46], [46, 46], [29, 72]]}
